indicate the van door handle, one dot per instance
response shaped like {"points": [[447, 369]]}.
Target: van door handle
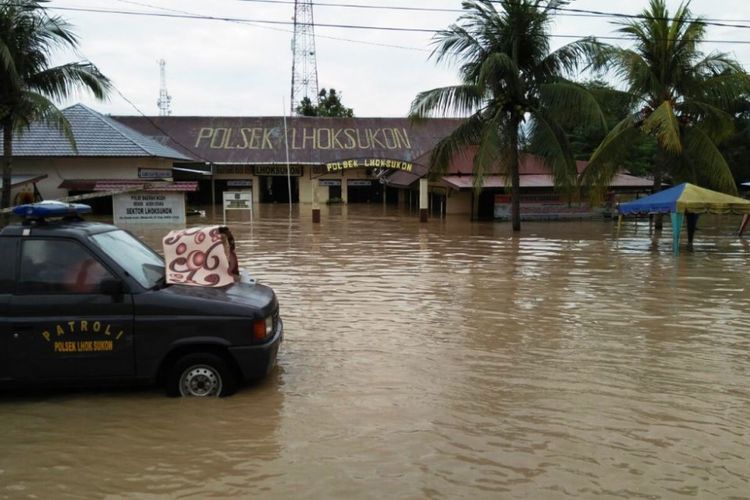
{"points": [[22, 327]]}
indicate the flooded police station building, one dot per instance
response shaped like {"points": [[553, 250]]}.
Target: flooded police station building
{"points": [[314, 160], [348, 160], [351, 160]]}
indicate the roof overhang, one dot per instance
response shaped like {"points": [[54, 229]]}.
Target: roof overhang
{"points": [[192, 171], [537, 181], [22, 179], [404, 179], [127, 184]]}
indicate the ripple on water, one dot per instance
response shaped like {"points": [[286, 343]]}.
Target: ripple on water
{"points": [[444, 360]]}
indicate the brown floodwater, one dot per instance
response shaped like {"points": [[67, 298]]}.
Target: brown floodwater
{"points": [[440, 360]]}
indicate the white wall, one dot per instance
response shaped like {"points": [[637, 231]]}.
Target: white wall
{"points": [[60, 169]]}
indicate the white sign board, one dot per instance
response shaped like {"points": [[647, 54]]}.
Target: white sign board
{"points": [[237, 200], [329, 182], [154, 173], [149, 208], [240, 183]]}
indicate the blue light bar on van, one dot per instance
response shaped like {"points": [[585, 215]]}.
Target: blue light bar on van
{"points": [[51, 208]]}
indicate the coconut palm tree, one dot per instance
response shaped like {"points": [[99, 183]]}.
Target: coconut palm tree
{"points": [[679, 96], [513, 92], [28, 83]]}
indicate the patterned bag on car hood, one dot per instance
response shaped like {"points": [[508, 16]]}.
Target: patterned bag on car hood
{"points": [[201, 256]]}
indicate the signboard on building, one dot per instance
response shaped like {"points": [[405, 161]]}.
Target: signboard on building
{"points": [[329, 182], [545, 207], [240, 183], [337, 166], [154, 173], [358, 182], [278, 170], [149, 208]]}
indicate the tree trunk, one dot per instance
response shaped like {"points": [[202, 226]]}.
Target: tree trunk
{"points": [[515, 177], [7, 157]]}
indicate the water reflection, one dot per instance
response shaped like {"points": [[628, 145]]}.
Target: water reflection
{"points": [[443, 360]]}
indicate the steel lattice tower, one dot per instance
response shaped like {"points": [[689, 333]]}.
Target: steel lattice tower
{"points": [[304, 64], [165, 100]]}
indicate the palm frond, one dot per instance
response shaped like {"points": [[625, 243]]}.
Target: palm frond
{"points": [[45, 111], [498, 71], [456, 43], [717, 63], [7, 62], [458, 99], [663, 124], [605, 162], [711, 169], [61, 81], [549, 141], [721, 90], [570, 103], [489, 150], [715, 122], [457, 142], [585, 53]]}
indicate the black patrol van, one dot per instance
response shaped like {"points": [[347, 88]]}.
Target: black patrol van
{"points": [[87, 303]]}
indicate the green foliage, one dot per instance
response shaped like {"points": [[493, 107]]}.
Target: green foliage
{"points": [[28, 84], [513, 92], [736, 149], [329, 104], [638, 157], [306, 107], [679, 100]]}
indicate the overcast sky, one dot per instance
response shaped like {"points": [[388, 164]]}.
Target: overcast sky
{"points": [[220, 68]]}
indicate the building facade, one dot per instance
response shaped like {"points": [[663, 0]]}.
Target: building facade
{"points": [[105, 156], [304, 160]]}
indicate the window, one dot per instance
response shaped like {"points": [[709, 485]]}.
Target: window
{"points": [[59, 266], [7, 264], [138, 260]]}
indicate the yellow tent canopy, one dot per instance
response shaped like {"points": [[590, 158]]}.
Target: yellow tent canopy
{"points": [[691, 200]]}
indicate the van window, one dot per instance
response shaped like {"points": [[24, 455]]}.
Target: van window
{"points": [[138, 260], [7, 264], [59, 266]]}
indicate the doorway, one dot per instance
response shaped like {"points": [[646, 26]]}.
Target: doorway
{"points": [[275, 189]]}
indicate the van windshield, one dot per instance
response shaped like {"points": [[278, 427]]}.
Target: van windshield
{"points": [[136, 258]]}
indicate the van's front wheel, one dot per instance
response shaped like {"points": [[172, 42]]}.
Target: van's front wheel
{"points": [[201, 375]]}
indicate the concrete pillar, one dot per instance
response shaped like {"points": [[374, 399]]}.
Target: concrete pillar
{"points": [[423, 200], [315, 203], [256, 190]]}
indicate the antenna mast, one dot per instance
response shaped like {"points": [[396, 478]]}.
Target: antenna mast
{"points": [[304, 63], [165, 100]]}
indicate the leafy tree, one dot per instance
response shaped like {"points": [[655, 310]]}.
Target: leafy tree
{"points": [[329, 104], [306, 107], [736, 149], [513, 91], [679, 96], [584, 140], [27, 81]]}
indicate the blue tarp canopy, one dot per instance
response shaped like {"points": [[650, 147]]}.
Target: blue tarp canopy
{"points": [[687, 199]]}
